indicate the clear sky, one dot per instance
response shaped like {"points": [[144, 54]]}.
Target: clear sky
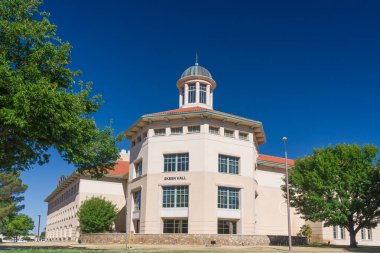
{"points": [[309, 70]]}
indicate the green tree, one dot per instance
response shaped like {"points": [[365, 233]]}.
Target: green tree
{"points": [[43, 235], [96, 215], [338, 185], [11, 188], [18, 225], [305, 231], [42, 104]]}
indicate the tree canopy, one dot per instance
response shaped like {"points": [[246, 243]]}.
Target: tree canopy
{"points": [[339, 186], [11, 188], [18, 225], [96, 215], [42, 104]]}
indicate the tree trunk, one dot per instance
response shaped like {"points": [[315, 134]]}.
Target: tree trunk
{"points": [[352, 238]]}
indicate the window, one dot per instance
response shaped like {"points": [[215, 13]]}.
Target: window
{"points": [[243, 136], [137, 201], [176, 130], [183, 96], [228, 198], [338, 232], [366, 233], [226, 227], [213, 130], [193, 129], [175, 226], [133, 143], [192, 91], [176, 162], [139, 139], [138, 168], [228, 164], [229, 133], [202, 93], [175, 196], [160, 131]]}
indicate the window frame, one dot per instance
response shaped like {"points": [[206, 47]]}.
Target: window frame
{"points": [[246, 138], [175, 196], [229, 130], [176, 133], [181, 162], [232, 164], [213, 132], [203, 93], [137, 204], [138, 168], [157, 131], [191, 93], [339, 233], [180, 226], [231, 197], [193, 132], [222, 227]]}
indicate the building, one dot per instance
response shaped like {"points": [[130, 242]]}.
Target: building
{"points": [[63, 203], [193, 170]]}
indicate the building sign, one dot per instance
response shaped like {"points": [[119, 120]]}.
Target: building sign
{"points": [[175, 178]]}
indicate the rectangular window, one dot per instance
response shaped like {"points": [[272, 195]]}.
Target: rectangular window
{"points": [[229, 133], [191, 92], [183, 96], [226, 227], [175, 196], [137, 201], [202, 93], [228, 164], [175, 226], [176, 162], [228, 198], [243, 136], [139, 139], [160, 132], [338, 232], [193, 129], [366, 234], [176, 130], [214, 130], [138, 168]]}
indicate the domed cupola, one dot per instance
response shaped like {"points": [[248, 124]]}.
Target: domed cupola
{"points": [[196, 87]]}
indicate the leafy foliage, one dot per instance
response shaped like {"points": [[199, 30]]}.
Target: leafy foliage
{"points": [[10, 189], [41, 105], [96, 215], [305, 231], [338, 185], [18, 225]]}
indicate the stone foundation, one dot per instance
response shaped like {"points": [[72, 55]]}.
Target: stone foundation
{"points": [[193, 239]]}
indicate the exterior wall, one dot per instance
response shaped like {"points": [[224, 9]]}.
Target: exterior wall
{"points": [[325, 234], [202, 178], [62, 221], [271, 207]]}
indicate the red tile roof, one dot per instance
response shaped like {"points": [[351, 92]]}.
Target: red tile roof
{"points": [[180, 110], [121, 168], [275, 159]]}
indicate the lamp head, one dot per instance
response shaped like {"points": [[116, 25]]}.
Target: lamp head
{"points": [[284, 139]]}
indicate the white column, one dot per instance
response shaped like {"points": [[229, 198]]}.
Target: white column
{"points": [[197, 93], [180, 97], [208, 95], [186, 93]]}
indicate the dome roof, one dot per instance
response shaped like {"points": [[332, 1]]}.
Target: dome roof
{"points": [[196, 71]]}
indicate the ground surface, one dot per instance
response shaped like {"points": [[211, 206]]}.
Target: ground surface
{"points": [[67, 247]]}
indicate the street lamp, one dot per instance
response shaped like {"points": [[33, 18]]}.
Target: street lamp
{"points": [[284, 139], [38, 231]]}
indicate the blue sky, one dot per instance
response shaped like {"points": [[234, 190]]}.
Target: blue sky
{"points": [[309, 70]]}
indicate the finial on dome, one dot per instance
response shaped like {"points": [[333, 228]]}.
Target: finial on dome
{"points": [[196, 59]]}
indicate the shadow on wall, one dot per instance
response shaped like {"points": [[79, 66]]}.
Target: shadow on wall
{"points": [[282, 240], [120, 221]]}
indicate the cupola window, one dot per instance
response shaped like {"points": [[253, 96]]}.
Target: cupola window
{"points": [[202, 93], [192, 93]]}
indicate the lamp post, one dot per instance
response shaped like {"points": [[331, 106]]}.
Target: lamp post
{"points": [[38, 230], [284, 139]]}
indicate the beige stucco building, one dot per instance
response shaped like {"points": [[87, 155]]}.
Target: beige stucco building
{"points": [[193, 170]]}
